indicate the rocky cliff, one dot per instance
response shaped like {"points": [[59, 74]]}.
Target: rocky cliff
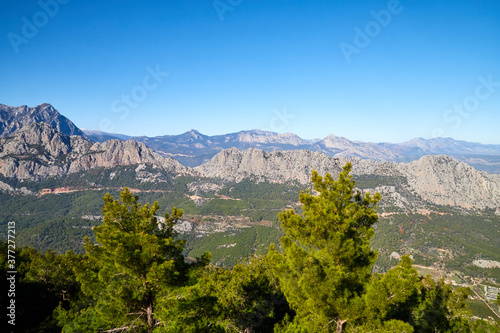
{"points": [[438, 179], [446, 181], [39, 150], [14, 118]]}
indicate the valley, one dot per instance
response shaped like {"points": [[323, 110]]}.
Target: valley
{"points": [[442, 212]]}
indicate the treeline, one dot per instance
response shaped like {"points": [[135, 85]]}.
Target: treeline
{"points": [[134, 278]]}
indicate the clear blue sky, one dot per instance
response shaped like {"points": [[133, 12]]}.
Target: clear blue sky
{"points": [[308, 67]]}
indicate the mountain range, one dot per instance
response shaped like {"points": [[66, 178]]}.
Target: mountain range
{"points": [[53, 177], [39, 151], [194, 148]]}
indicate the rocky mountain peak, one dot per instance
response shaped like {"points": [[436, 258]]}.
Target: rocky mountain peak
{"points": [[39, 150], [14, 118], [437, 179], [337, 142], [195, 134]]}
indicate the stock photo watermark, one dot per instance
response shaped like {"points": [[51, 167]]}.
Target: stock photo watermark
{"points": [[280, 120], [137, 94], [223, 6], [31, 26], [455, 115], [11, 273], [373, 28]]}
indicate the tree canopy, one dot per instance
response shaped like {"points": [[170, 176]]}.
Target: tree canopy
{"points": [[135, 278], [327, 259], [136, 268]]}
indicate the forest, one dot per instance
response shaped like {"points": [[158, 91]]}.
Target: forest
{"points": [[134, 276]]}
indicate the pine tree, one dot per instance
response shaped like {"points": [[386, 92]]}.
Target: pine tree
{"points": [[137, 267], [245, 298], [393, 295], [327, 258]]}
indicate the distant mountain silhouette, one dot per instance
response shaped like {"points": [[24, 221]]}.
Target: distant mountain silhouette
{"points": [[194, 148]]}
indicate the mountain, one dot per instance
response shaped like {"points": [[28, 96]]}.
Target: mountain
{"points": [[339, 146], [38, 151], [440, 179], [14, 118], [450, 146], [100, 136], [437, 208], [444, 180], [193, 148]]}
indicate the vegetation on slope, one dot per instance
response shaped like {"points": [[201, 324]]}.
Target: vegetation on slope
{"points": [[135, 277]]}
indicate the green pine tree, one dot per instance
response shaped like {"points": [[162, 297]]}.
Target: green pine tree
{"points": [[245, 298], [137, 268], [327, 258], [392, 295]]}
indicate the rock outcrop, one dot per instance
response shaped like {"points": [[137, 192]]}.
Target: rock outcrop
{"points": [[39, 150], [14, 118], [438, 179], [446, 181], [277, 166], [289, 165]]}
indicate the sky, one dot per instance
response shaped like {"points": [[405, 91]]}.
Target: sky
{"points": [[378, 71]]}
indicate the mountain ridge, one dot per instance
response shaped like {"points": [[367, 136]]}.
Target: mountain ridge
{"points": [[193, 148], [196, 150], [38, 151], [14, 118]]}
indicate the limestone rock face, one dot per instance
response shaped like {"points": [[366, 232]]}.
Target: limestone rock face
{"points": [[39, 150], [444, 180], [438, 179], [289, 165], [14, 118], [276, 166]]}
